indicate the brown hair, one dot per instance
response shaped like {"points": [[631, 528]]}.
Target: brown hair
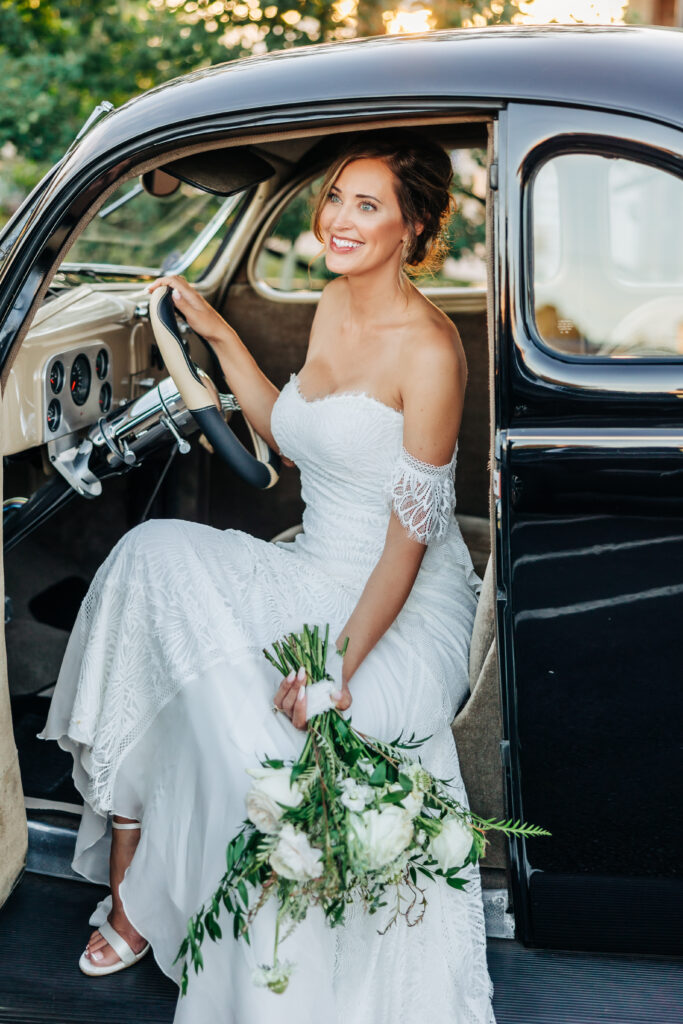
{"points": [[423, 174]]}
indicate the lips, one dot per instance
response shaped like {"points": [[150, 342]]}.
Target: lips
{"points": [[341, 245]]}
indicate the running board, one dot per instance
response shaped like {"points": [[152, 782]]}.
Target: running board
{"points": [[51, 850]]}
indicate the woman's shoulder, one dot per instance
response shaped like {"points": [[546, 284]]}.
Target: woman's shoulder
{"points": [[432, 343]]}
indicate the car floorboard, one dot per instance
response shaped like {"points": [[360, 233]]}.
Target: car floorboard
{"points": [[44, 926]]}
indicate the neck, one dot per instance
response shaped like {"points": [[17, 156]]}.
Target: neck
{"points": [[373, 294]]}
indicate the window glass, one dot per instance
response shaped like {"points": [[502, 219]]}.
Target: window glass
{"points": [[290, 258], [135, 230], [608, 257]]}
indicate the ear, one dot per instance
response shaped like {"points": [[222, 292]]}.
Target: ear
{"points": [[419, 228]]}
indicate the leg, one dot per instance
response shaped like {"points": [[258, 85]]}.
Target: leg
{"points": [[124, 840]]}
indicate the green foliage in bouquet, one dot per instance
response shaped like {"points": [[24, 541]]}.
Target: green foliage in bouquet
{"points": [[353, 818]]}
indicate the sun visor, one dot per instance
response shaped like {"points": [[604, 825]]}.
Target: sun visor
{"points": [[221, 171]]}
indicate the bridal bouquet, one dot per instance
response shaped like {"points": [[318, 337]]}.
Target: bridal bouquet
{"points": [[353, 817]]}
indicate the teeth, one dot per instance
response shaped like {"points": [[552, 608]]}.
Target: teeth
{"points": [[344, 243]]}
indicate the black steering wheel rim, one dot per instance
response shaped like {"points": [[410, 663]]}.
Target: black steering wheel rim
{"points": [[260, 469]]}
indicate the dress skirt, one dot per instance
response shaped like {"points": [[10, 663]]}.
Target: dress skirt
{"points": [[164, 699]]}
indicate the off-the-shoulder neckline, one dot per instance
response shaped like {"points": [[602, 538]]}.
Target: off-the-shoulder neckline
{"points": [[342, 394]]}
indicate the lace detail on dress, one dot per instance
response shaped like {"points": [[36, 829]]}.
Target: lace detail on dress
{"points": [[423, 496]]}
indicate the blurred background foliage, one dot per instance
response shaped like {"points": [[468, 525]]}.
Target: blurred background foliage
{"points": [[60, 58]]}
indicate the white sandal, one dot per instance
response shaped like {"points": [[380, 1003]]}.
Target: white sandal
{"points": [[125, 954]]}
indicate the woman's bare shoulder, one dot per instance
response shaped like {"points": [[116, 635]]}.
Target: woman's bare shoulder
{"points": [[433, 348]]}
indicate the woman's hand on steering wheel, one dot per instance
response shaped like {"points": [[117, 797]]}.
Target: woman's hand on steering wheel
{"points": [[201, 317], [291, 698]]}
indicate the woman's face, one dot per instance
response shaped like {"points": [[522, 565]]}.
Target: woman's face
{"points": [[361, 222]]}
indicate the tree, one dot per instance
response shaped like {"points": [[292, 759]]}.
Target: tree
{"points": [[59, 58]]}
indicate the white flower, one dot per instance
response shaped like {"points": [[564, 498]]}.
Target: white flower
{"points": [[365, 765], [275, 978], [271, 789], [451, 846], [294, 857], [356, 794], [419, 776], [380, 836], [412, 801]]}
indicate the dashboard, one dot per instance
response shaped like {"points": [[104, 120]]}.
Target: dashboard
{"points": [[87, 351], [77, 388]]}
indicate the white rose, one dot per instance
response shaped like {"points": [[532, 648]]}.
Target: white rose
{"points": [[270, 789], [355, 794], [262, 811], [412, 801], [451, 846], [382, 835], [294, 857]]}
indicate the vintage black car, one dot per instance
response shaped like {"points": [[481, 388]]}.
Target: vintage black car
{"points": [[565, 280]]}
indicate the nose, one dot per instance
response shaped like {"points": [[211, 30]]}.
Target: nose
{"points": [[342, 220]]}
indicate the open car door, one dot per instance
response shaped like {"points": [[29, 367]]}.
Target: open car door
{"points": [[13, 829], [590, 461]]}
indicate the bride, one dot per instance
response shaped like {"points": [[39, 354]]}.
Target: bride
{"points": [[164, 697]]}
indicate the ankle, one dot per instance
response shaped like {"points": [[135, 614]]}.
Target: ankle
{"points": [[124, 824]]}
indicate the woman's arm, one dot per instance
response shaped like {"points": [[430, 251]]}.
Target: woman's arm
{"points": [[254, 392], [433, 396]]}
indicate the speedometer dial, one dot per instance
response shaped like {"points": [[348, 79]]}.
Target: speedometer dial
{"points": [[81, 376]]}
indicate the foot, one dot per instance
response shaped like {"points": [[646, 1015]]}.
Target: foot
{"points": [[98, 950]]}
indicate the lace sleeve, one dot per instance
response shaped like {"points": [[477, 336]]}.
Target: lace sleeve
{"points": [[423, 496]]}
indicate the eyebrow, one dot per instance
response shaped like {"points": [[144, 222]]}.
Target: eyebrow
{"points": [[359, 195]]}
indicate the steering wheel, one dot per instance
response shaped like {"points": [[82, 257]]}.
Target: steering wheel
{"points": [[260, 469]]}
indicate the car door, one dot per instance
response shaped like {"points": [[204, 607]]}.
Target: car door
{"points": [[589, 457], [13, 830]]}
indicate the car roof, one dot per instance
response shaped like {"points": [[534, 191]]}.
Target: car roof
{"points": [[630, 68]]}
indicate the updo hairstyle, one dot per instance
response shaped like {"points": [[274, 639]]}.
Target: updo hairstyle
{"points": [[423, 173]]}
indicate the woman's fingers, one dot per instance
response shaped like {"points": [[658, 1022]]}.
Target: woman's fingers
{"points": [[284, 689], [291, 697], [299, 712], [344, 700]]}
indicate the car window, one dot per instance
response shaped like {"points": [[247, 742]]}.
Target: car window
{"points": [[607, 255], [137, 233], [289, 259]]}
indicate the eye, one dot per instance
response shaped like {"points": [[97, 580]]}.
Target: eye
{"points": [[365, 205], [333, 198]]}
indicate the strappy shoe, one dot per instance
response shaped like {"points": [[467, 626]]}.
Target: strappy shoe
{"points": [[124, 952]]}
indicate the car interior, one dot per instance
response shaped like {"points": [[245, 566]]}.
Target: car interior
{"points": [[95, 434]]}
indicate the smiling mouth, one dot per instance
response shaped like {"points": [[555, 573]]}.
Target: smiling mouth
{"points": [[344, 244]]}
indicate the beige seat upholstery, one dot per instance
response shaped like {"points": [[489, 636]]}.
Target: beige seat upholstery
{"points": [[477, 727]]}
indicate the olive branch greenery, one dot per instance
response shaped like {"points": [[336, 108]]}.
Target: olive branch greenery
{"points": [[336, 756]]}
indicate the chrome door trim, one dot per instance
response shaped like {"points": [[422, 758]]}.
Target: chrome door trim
{"points": [[588, 437]]}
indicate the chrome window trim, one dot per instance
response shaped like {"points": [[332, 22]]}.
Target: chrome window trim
{"points": [[534, 132]]}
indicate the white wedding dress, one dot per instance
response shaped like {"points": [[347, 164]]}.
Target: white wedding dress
{"points": [[164, 699]]}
